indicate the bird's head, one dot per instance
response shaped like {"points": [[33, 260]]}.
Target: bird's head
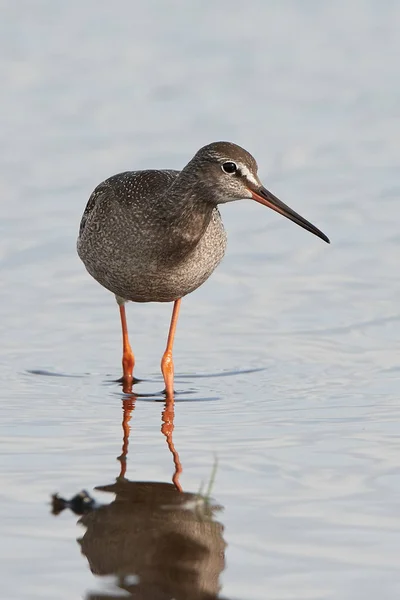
{"points": [[227, 172]]}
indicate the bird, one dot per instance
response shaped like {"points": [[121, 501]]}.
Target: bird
{"points": [[157, 235]]}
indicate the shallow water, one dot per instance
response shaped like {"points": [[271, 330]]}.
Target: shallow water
{"points": [[287, 359]]}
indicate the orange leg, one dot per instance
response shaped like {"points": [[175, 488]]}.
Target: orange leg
{"points": [[127, 406], [128, 360], [167, 428], [167, 364]]}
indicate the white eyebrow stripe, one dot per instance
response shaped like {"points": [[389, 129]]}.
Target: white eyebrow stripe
{"points": [[247, 173]]}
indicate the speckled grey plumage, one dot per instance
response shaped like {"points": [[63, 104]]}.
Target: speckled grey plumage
{"points": [[155, 236], [136, 248]]}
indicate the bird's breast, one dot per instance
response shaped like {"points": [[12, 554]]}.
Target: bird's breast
{"points": [[140, 254]]}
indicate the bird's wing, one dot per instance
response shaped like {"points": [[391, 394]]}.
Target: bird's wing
{"points": [[102, 191], [128, 189]]}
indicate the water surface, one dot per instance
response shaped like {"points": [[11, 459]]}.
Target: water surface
{"points": [[288, 357]]}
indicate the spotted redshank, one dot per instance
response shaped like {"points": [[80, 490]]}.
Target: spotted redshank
{"points": [[156, 236]]}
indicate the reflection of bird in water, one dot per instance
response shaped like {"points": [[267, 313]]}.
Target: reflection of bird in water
{"points": [[167, 539], [155, 236], [159, 542]]}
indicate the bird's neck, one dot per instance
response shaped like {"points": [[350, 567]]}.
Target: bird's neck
{"points": [[187, 209]]}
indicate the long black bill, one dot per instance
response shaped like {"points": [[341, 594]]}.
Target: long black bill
{"points": [[265, 197]]}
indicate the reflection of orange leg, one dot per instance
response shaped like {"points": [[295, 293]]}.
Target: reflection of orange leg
{"points": [[167, 428], [128, 360], [127, 406], [167, 364]]}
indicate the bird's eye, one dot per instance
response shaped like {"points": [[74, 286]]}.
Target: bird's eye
{"points": [[229, 167]]}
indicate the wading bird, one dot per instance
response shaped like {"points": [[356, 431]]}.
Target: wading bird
{"points": [[157, 235]]}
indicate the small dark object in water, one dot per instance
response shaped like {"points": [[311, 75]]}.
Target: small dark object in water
{"points": [[80, 504]]}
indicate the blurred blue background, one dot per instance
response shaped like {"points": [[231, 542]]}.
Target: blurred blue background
{"points": [[308, 448]]}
